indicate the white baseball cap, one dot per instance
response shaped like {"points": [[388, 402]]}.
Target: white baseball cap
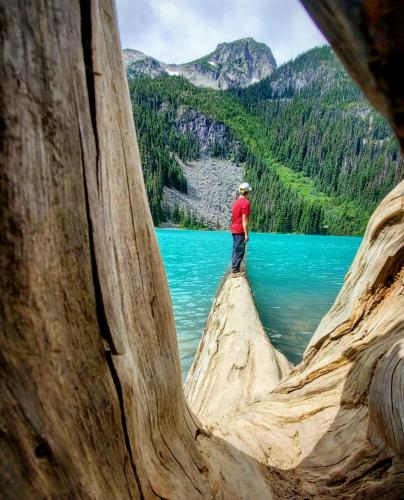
{"points": [[244, 187]]}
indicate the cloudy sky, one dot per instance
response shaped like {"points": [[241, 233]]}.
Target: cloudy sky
{"points": [[177, 31]]}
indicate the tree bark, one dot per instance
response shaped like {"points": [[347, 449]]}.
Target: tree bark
{"points": [[236, 363], [334, 426], [91, 398], [88, 338]]}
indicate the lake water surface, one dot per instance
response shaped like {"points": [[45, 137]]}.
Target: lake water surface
{"points": [[294, 278]]}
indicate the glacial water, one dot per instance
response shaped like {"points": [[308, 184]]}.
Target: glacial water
{"points": [[294, 278]]}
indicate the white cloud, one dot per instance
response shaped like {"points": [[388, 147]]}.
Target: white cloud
{"points": [[180, 30]]}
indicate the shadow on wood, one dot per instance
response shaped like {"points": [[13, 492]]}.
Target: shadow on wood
{"points": [[91, 398]]}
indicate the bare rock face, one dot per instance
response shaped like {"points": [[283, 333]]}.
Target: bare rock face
{"points": [[213, 179], [231, 65], [209, 134], [139, 64], [305, 72]]}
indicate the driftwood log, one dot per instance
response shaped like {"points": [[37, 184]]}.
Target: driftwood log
{"points": [[91, 399]]}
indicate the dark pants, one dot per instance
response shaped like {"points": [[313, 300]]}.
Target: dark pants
{"points": [[238, 252]]}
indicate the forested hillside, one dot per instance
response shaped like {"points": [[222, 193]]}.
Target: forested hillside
{"points": [[318, 123], [318, 157], [159, 143]]}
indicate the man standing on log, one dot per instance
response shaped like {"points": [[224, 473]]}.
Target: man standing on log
{"points": [[239, 226]]}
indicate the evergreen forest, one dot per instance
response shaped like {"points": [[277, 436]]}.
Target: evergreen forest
{"points": [[319, 157]]}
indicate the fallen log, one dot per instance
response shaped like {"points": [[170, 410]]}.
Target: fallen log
{"points": [[235, 363]]}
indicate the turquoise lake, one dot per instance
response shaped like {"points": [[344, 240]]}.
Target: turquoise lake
{"points": [[294, 278]]}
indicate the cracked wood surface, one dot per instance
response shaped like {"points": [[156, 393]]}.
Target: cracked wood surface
{"points": [[91, 398], [81, 270], [91, 395], [235, 363], [333, 427]]}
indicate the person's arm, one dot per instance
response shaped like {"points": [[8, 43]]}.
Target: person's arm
{"points": [[245, 227]]}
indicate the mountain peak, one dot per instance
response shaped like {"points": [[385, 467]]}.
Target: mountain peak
{"points": [[233, 64], [133, 55], [239, 41]]}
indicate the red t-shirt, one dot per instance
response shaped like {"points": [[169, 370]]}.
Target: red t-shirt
{"points": [[240, 206]]}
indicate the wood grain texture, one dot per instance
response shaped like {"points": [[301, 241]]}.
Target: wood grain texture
{"points": [[235, 363], [60, 415], [91, 398], [84, 295], [332, 428]]}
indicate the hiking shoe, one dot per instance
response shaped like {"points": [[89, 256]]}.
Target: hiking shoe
{"points": [[236, 274]]}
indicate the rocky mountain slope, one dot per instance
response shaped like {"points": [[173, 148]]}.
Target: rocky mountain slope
{"points": [[231, 65], [213, 178], [211, 188], [319, 157]]}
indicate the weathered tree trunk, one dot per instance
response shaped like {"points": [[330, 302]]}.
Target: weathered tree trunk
{"points": [[91, 398], [236, 363], [91, 387], [334, 426]]}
